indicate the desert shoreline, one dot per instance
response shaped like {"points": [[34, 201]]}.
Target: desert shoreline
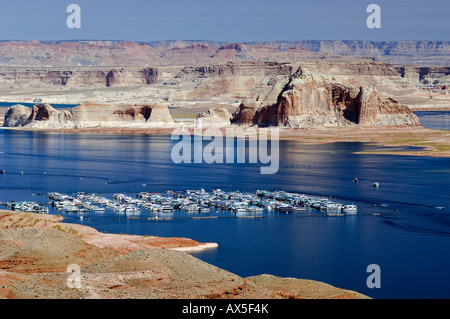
{"points": [[40, 252], [429, 142]]}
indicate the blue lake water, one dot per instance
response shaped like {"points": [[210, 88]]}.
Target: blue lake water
{"points": [[411, 248], [435, 120]]}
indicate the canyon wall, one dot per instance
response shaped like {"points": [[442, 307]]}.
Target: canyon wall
{"points": [[215, 85], [314, 100], [426, 77], [164, 53], [302, 99], [396, 52], [76, 78], [127, 53]]}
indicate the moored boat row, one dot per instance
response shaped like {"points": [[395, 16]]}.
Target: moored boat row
{"points": [[192, 201]]}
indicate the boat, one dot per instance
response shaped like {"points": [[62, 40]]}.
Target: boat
{"points": [[332, 208], [155, 207], [40, 209], [191, 208], [166, 208], [238, 208], [284, 208], [205, 209], [376, 184], [297, 208], [70, 209], [350, 209], [97, 209]]}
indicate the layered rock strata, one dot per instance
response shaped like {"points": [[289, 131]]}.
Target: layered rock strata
{"points": [[76, 77], [127, 53], [88, 115], [314, 100]]}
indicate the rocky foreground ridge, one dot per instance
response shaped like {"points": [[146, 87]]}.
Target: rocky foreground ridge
{"points": [[39, 254]]}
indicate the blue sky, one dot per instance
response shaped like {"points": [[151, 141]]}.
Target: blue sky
{"points": [[229, 21]]}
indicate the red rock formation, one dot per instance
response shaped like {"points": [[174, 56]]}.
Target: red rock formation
{"points": [[310, 100], [245, 113], [88, 115], [373, 110], [46, 113]]}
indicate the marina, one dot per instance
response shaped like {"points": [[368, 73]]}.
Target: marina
{"points": [[194, 205], [235, 203]]}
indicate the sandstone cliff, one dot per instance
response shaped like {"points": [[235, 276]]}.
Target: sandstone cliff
{"points": [[16, 115], [215, 117], [428, 77], [39, 116], [76, 77], [210, 85], [314, 100], [127, 53], [245, 113], [398, 52], [88, 115]]}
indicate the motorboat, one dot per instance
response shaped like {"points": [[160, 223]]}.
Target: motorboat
{"points": [[350, 209]]}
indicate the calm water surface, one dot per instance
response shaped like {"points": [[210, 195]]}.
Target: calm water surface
{"points": [[435, 120], [412, 248]]}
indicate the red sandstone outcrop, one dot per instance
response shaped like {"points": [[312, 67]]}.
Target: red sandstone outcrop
{"points": [[374, 110], [245, 113], [312, 100]]}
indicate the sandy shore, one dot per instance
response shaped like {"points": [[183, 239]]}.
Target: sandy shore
{"points": [[120, 243], [40, 256], [428, 142]]}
